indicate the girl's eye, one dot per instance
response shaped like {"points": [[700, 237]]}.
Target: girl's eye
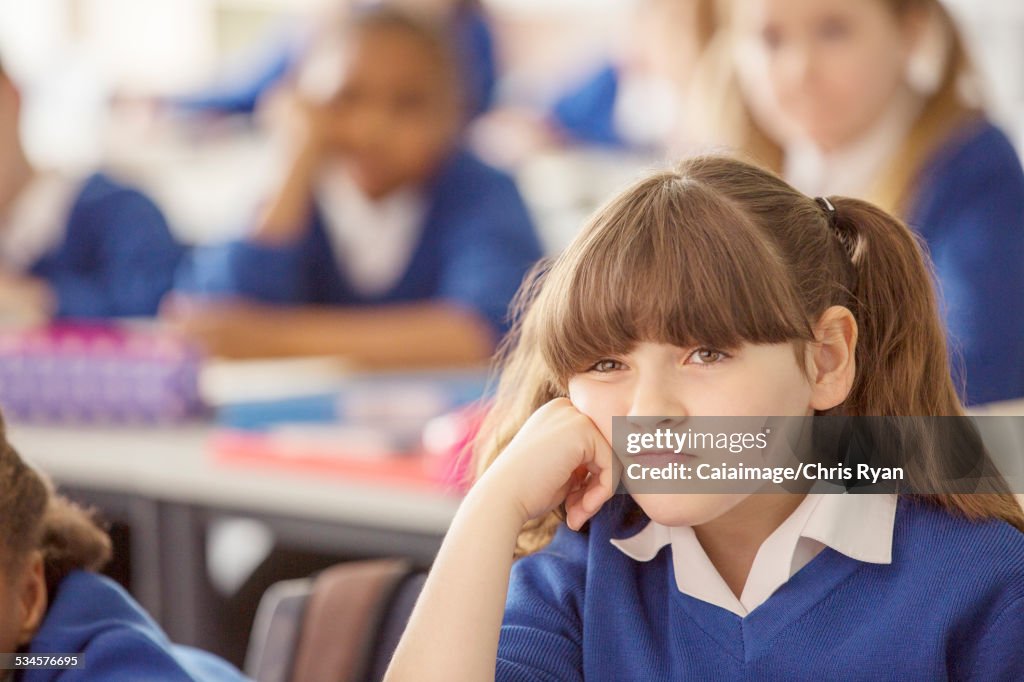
{"points": [[604, 366], [706, 356]]}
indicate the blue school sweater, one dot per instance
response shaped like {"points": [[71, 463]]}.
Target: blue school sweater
{"points": [[950, 606], [93, 616], [476, 244], [970, 210], [586, 113], [117, 257]]}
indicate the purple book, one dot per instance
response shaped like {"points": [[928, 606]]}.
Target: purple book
{"points": [[98, 374]]}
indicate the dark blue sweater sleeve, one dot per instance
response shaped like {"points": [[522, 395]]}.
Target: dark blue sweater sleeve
{"points": [[92, 616], [132, 654], [541, 636], [489, 246], [245, 269], [587, 112], [999, 655], [118, 257], [972, 216]]}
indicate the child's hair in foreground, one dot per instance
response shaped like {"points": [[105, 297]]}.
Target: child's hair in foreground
{"points": [[34, 518], [717, 253]]}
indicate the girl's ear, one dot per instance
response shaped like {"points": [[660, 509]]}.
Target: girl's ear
{"points": [[831, 363], [32, 599]]}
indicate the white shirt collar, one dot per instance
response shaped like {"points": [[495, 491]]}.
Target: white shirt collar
{"points": [[854, 169], [372, 240], [858, 526]]}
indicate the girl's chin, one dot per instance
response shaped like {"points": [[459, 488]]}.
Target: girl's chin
{"points": [[692, 509], [827, 136]]}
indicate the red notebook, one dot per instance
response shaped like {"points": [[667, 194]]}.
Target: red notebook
{"points": [[360, 462]]}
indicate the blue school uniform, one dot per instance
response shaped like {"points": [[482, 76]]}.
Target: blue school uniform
{"points": [[93, 616], [117, 257], [476, 244], [970, 210], [586, 113], [949, 606]]}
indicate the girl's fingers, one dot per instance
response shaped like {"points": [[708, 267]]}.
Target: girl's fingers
{"points": [[575, 517], [597, 485], [595, 496], [565, 492], [611, 473], [582, 504], [572, 509], [601, 484]]}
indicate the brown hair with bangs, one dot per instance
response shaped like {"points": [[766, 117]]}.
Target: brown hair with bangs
{"points": [[719, 252]]}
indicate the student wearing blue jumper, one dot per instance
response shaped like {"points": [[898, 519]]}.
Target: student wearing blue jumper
{"points": [[637, 99], [70, 248], [386, 242], [884, 108], [52, 601], [718, 290]]}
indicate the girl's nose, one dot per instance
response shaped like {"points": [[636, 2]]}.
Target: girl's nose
{"points": [[643, 423], [796, 66], [657, 405]]}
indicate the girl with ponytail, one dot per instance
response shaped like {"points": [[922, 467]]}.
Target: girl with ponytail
{"points": [[52, 601], [718, 289]]}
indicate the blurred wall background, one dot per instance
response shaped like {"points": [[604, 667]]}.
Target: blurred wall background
{"points": [[73, 58]]}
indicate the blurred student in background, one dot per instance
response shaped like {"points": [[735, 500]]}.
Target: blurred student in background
{"points": [[239, 91], [635, 100], [877, 99], [53, 601], [385, 241], [74, 247]]}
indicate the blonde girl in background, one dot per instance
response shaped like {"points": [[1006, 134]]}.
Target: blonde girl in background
{"points": [[718, 289], [878, 99]]}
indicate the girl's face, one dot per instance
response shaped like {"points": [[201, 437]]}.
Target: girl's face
{"points": [[833, 65], [658, 379], [395, 114]]}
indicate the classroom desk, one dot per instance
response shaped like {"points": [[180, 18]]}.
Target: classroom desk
{"points": [[164, 485]]}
